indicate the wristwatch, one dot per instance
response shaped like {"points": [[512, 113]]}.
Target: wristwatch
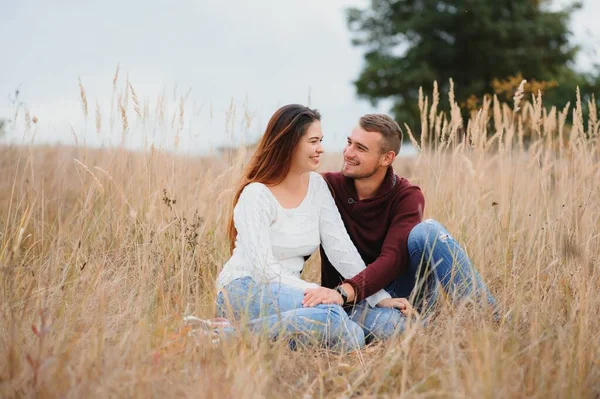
{"points": [[343, 293]]}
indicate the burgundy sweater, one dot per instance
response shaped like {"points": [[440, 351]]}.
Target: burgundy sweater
{"points": [[379, 228]]}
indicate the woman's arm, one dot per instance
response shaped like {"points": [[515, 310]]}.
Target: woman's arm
{"points": [[393, 258], [336, 242], [253, 215]]}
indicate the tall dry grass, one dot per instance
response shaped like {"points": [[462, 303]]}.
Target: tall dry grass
{"points": [[103, 251]]}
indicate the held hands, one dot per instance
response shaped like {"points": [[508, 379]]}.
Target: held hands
{"points": [[316, 296], [401, 304]]}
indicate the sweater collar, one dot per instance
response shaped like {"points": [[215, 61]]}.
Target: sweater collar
{"points": [[389, 181]]}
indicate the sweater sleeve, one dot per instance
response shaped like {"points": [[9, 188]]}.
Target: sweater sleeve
{"points": [[392, 260], [336, 242], [253, 215]]}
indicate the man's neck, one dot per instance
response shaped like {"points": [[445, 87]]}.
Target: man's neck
{"points": [[367, 187]]}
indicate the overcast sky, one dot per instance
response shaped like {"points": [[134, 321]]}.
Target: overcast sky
{"points": [[263, 53]]}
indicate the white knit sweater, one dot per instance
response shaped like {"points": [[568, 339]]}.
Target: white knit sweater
{"points": [[272, 241]]}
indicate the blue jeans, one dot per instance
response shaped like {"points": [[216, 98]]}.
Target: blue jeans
{"points": [[276, 310], [436, 263]]}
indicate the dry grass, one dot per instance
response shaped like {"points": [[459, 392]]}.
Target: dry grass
{"points": [[103, 251]]}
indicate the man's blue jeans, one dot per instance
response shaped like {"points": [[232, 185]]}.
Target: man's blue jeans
{"points": [[276, 310], [437, 262]]}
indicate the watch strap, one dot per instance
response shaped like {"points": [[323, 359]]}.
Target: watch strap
{"points": [[343, 293]]}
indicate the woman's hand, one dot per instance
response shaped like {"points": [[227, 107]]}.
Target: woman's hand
{"points": [[401, 304], [316, 296]]}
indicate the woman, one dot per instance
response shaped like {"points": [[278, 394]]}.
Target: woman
{"points": [[283, 211]]}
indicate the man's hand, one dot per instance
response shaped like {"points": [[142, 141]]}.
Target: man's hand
{"points": [[316, 296], [401, 304]]}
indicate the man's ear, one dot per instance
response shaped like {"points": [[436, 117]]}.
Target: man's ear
{"points": [[388, 158]]}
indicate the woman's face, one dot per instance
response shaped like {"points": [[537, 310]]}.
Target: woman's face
{"points": [[307, 153]]}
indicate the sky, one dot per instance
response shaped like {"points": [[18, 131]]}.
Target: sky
{"points": [[257, 55]]}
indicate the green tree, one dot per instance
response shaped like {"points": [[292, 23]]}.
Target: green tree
{"points": [[411, 43]]}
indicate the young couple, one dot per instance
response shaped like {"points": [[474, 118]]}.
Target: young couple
{"points": [[375, 249]]}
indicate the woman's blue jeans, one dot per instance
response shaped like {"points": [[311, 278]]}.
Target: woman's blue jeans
{"points": [[276, 310], [437, 263]]}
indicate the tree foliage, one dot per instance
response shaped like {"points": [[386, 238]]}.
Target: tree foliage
{"points": [[411, 43]]}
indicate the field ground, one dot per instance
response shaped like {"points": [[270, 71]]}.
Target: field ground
{"points": [[103, 251]]}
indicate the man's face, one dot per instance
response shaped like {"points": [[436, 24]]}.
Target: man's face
{"points": [[362, 154]]}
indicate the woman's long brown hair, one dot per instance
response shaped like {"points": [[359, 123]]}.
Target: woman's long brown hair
{"points": [[271, 161]]}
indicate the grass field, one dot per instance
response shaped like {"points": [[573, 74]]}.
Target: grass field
{"points": [[102, 251]]}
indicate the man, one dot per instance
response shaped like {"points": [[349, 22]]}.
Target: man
{"points": [[383, 215]]}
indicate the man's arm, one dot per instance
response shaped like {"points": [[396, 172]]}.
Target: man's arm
{"points": [[337, 244], [393, 258]]}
